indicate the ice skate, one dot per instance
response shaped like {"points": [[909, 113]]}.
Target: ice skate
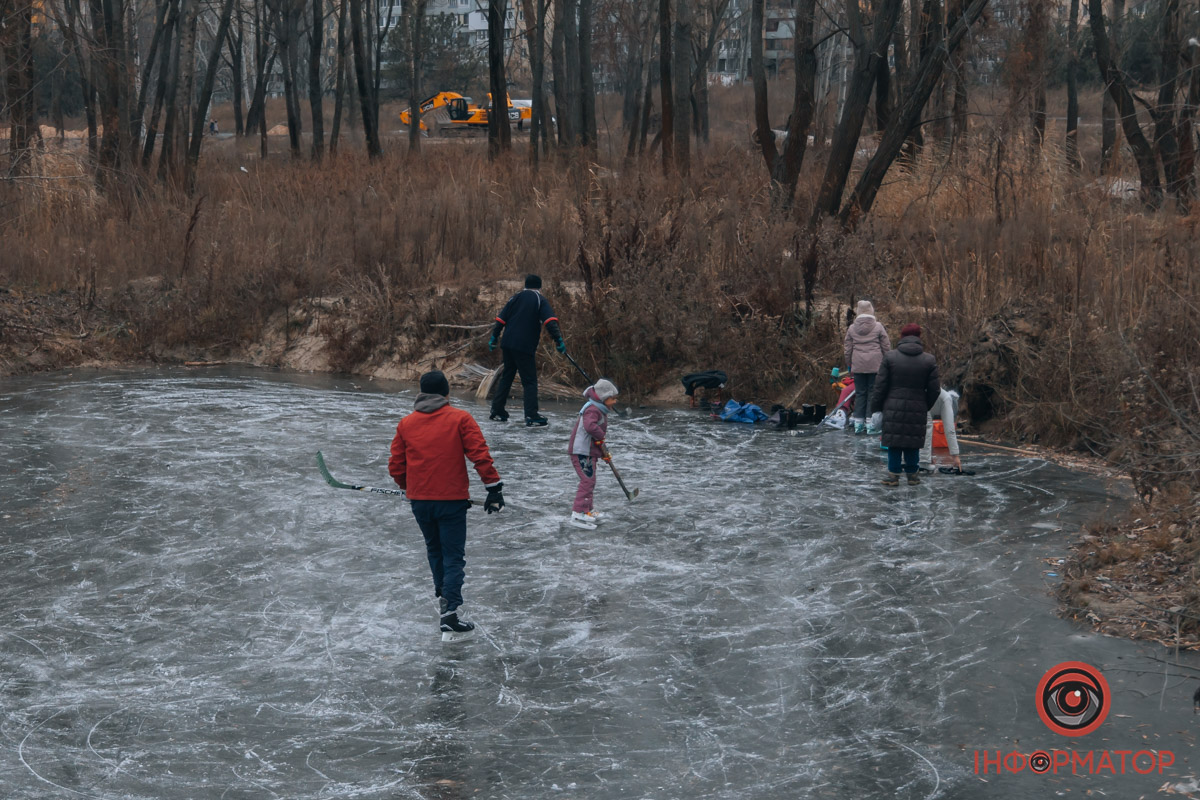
{"points": [[859, 427], [499, 416], [537, 421], [455, 629], [581, 520]]}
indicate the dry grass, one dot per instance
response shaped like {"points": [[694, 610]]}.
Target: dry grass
{"points": [[1061, 311]]}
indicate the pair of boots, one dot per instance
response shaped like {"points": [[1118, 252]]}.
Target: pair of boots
{"points": [[536, 421], [453, 627], [893, 479], [588, 520], [862, 427]]}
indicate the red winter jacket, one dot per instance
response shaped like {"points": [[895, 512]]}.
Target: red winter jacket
{"points": [[429, 450]]}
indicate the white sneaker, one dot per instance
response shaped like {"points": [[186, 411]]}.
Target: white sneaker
{"points": [[581, 520]]}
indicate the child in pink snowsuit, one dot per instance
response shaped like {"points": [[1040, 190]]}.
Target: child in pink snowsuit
{"points": [[586, 448]]}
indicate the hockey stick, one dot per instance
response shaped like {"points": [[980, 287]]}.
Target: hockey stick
{"points": [[575, 364], [835, 408], [335, 483], [628, 494]]}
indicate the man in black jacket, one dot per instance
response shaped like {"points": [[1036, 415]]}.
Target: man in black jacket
{"points": [[906, 387], [517, 331]]}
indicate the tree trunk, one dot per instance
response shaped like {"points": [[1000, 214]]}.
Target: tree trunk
{"points": [[587, 80], [339, 81], [1151, 189], [858, 96], [416, 31], [206, 90], [958, 66], [667, 131], [883, 87], [156, 43], [647, 100], [165, 75], [927, 76], [1109, 133], [16, 33], [362, 74], [499, 133], [558, 69], [236, 44], [315, 94], [535, 16], [1164, 115], [682, 70], [574, 110], [1037, 31], [787, 168], [1072, 143], [1187, 133], [763, 134]]}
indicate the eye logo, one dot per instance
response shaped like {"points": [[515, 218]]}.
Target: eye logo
{"points": [[1072, 698]]}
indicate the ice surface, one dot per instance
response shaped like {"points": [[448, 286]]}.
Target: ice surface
{"points": [[189, 611]]}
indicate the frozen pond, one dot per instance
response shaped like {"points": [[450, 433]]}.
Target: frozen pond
{"points": [[188, 611]]}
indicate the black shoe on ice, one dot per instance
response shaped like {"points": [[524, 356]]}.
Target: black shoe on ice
{"points": [[538, 422], [455, 629], [499, 416]]}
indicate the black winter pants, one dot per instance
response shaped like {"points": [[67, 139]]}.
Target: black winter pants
{"points": [[515, 363]]}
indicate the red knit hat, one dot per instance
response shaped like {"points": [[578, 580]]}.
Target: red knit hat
{"points": [[911, 329]]}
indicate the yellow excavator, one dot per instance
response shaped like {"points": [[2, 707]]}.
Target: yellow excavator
{"points": [[461, 114]]}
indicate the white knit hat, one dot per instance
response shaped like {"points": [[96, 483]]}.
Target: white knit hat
{"points": [[604, 389]]}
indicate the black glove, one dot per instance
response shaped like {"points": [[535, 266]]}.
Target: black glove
{"points": [[495, 498]]}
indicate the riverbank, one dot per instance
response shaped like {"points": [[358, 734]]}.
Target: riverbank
{"points": [[1066, 317]]}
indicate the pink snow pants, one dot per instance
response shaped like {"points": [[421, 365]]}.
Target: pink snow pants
{"points": [[585, 467]]}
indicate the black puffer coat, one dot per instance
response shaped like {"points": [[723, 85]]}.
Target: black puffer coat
{"points": [[906, 387]]}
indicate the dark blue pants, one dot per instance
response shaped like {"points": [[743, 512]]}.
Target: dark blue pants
{"points": [[516, 362], [894, 457], [444, 525], [864, 384]]}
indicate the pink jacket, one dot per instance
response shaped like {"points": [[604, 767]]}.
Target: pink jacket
{"points": [[866, 344], [590, 427]]}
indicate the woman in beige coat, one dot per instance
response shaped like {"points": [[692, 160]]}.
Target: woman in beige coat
{"points": [[865, 346]]}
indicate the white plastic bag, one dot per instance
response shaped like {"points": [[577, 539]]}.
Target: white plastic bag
{"points": [[837, 419], [877, 420]]}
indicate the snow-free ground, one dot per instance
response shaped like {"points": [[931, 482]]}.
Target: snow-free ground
{"points": [[188, 611]]}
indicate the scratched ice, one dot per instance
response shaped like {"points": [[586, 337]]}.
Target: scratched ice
{"points": [[188, 611]]}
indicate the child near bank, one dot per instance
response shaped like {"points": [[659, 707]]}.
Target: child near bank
{"points": [[586, 448]]}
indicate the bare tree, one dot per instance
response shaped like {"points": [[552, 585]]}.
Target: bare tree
{"points": [[499, 133], [16, 49], [1036, 31], [339, 86], [1072, 144], [665, 86], [681, 119], [1143, 153], [362, 72], [315, 93], [1109, 144], [784, 168], [206, 90], [412, 23]]}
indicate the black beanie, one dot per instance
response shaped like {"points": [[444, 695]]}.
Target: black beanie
{"points": [[533, 282], [435, 383]]}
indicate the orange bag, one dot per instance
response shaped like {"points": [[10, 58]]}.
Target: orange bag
{"points": [[939, 434]]}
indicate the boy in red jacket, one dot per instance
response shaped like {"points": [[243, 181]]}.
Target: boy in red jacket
{"points": [[427, 462]]}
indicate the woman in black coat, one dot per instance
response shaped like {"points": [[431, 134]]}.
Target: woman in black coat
{"points": [[905, 389]]}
